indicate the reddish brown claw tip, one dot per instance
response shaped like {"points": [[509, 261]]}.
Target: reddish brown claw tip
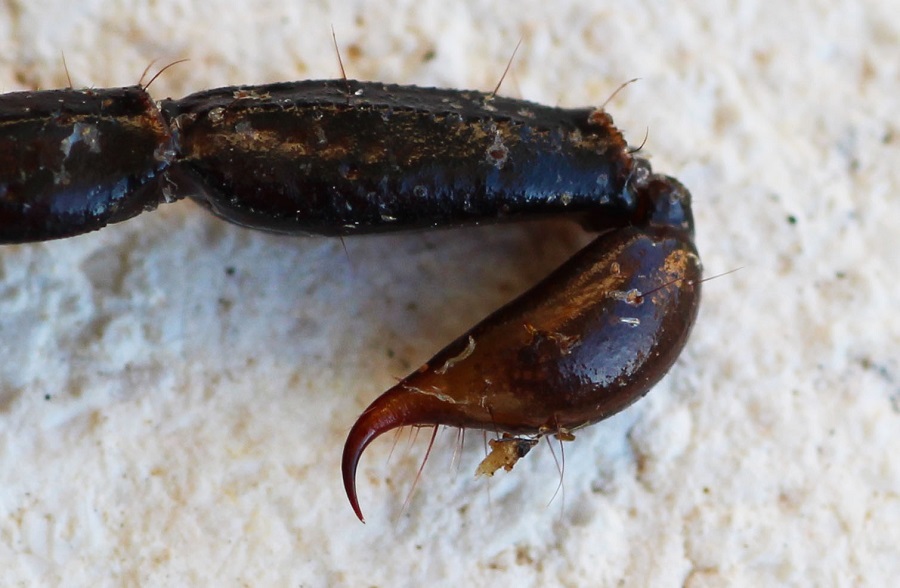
{"points": [[395, 408], [353, 449], [369, 425]]}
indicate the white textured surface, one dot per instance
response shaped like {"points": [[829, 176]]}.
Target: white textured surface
{"points": [[165, 423]]}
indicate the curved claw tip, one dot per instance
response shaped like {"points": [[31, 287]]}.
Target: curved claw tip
{"points": [[388, 411], [397, 407], [352, 451]]}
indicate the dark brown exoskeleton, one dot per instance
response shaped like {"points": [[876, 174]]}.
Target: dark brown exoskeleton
{"points": [[343, 158]]}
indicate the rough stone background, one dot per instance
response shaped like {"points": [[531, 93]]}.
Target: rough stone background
{"points": [[174, 391]]}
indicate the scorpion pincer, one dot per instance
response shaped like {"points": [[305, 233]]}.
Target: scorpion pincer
{"points": [[343, 157]]}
